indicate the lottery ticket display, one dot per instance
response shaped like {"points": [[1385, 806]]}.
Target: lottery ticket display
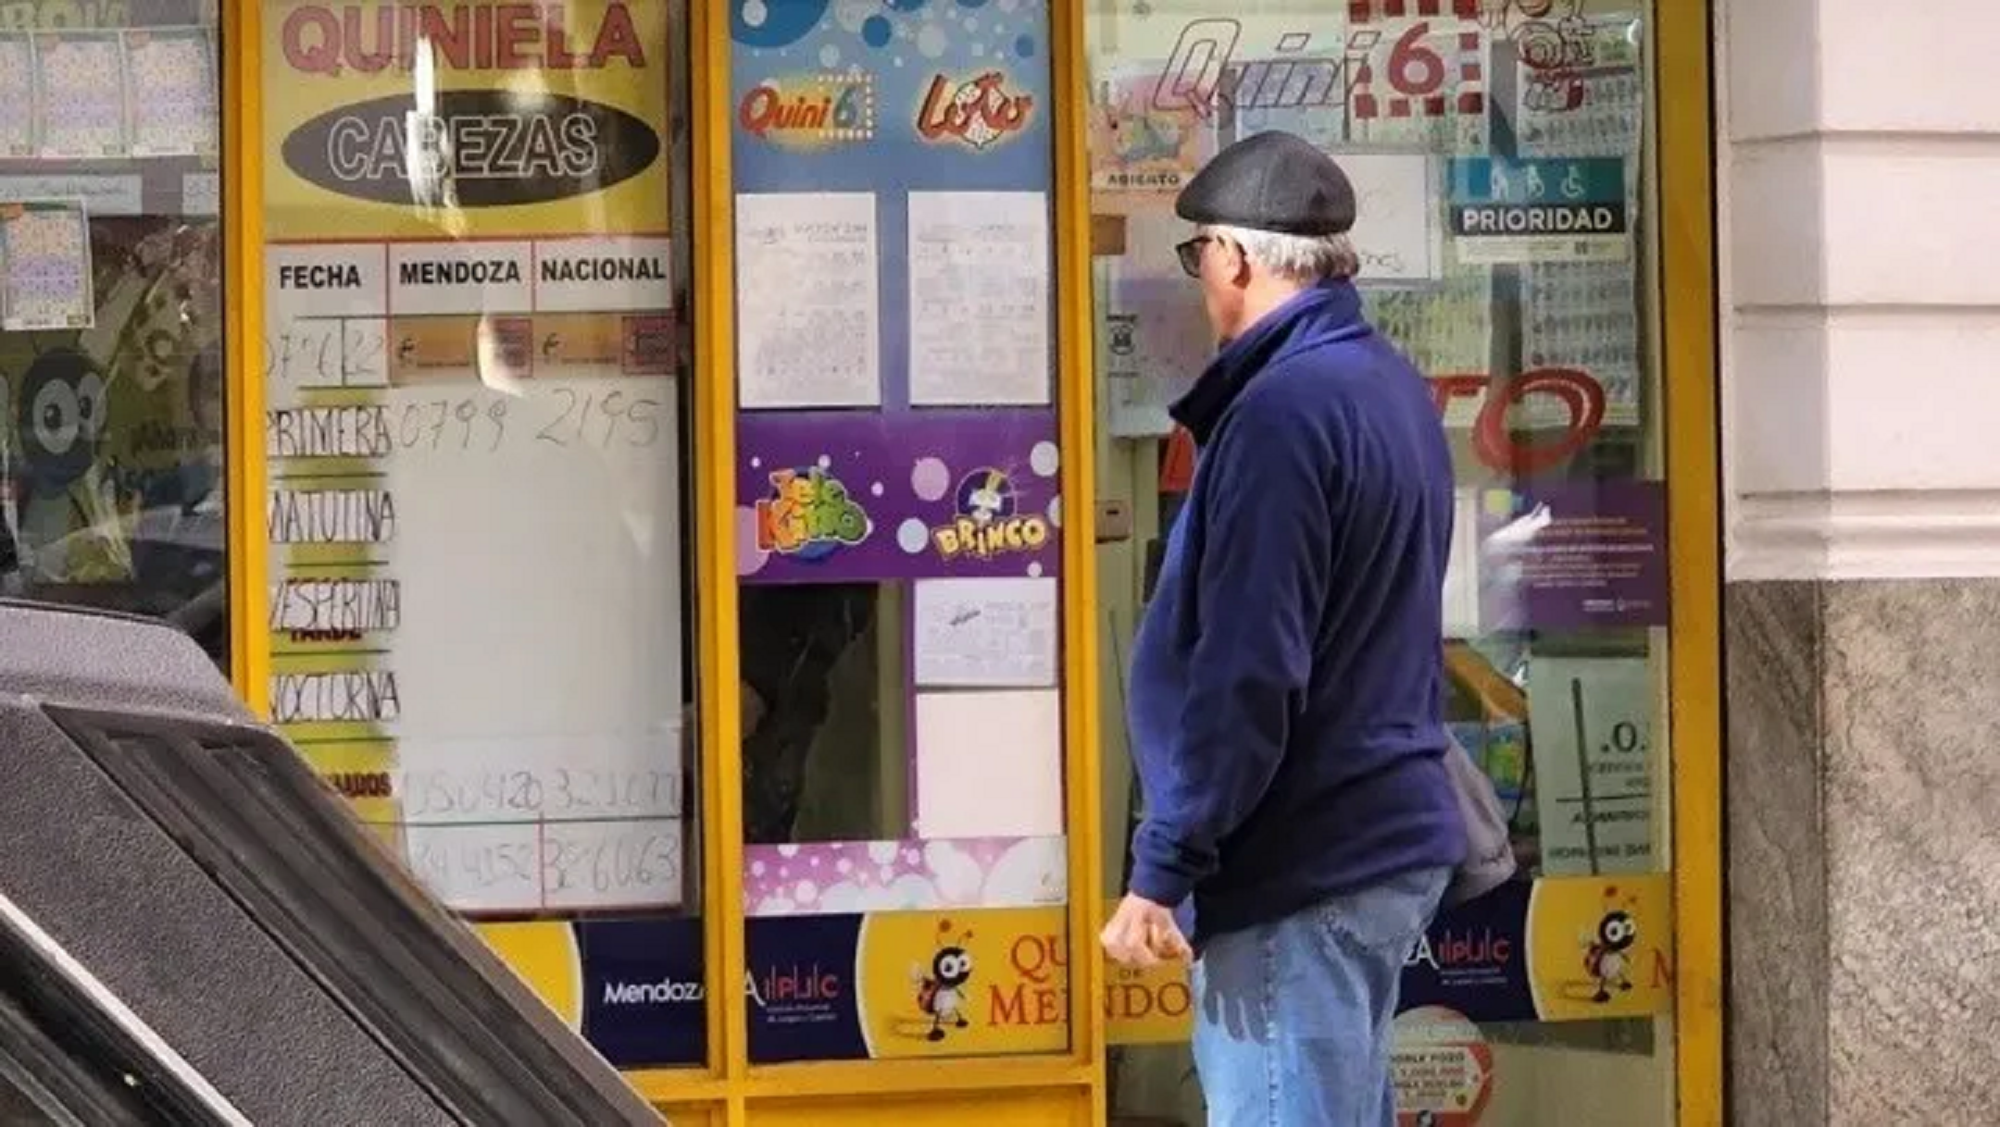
{"points": [[90, 96], [17, 100], [81, 95], [45, 266], [173, 83], [112, 382]]}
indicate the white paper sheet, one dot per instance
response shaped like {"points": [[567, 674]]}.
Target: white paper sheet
{"points": [[808, 300], [992, 633], [1596, 715], [45, 277], [1399, 216], [1462, 573], [989, 764], [1154, 336], [979, 298]]}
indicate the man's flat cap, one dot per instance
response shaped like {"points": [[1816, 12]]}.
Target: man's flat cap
{"points": [[1271, 182]]}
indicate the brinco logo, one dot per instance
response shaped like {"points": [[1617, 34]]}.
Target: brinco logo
{"points": [[978, 113], [989, 520], [813, 111], [809, 515]]}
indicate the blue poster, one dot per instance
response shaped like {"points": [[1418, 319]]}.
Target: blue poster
{"points": [[1560, 209], [887, 98], [803, 996], [644, 1004], [1474, 959]]}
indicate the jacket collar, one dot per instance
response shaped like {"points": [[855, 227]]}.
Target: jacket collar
{"points": [[1329, 311]]}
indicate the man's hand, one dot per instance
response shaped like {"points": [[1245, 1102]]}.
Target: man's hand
{"points": [[1142, 934]]}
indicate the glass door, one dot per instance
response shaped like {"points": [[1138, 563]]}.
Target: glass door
{"points": [[477, 365], [111, 339], [1502, 153]]}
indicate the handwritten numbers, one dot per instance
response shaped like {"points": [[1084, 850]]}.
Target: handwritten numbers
{"points": [[327, 352], [554, 432], [496, 416], [364, 352], [619, 420]]}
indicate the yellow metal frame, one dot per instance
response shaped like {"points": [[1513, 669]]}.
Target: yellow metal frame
{"points": [[1694, 544], [730, 1086], [243, 325], [731, 1081]]}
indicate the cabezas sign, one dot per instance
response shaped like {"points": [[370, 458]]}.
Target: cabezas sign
{"points": [[509, 144]]}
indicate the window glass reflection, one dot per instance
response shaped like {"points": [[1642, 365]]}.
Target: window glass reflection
{"points": [[1503, 159]]}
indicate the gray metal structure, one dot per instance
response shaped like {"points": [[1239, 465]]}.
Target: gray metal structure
{"points": [[177, 882]]}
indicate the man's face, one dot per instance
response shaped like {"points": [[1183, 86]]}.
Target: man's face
{"points": [[1218, 266]]}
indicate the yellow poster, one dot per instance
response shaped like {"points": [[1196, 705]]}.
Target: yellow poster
{"points": [[1601, 947], [1153, 1006], [944, 984], [1559, 949], [413, 121]]}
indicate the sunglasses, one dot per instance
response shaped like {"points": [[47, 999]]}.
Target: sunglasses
{"points": [[1189, 253]]}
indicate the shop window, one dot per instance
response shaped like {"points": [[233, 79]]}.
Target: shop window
{"points": [[111, 369], [899, 529], [1503, 161], [477, 356]]}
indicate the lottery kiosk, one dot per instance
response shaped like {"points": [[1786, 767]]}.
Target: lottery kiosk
{"points": [[690, 471]]}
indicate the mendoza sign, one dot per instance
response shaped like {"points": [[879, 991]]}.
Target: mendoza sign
{"points": [[1550, 210], [398, 121]]}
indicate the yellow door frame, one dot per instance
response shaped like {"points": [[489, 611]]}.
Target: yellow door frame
{"points": [[1694, 548], [729, 1085], [244, 474]]}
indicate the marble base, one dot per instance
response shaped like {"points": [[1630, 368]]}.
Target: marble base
{"points": [[1863, 808]]}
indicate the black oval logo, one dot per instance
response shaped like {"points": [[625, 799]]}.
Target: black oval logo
{"points": [[478, 148]]}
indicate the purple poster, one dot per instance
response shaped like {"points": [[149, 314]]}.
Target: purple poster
{"points": [[851, 496], [1574, 556]]}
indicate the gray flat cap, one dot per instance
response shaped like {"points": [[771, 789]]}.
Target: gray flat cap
{"points": [[1271, 181]]}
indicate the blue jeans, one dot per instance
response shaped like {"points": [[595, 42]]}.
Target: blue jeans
{"points": [[1294, 1025]]}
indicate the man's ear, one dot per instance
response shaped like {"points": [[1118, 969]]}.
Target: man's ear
{"points": [[1239, 262]]}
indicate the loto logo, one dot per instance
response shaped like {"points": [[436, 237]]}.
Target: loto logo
{"points": [[978, 113], [812, 111]]}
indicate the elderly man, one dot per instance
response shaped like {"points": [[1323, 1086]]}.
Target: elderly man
{"points": [[1287, 679]]}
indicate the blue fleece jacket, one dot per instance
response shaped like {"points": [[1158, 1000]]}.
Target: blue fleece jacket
{"points": [[1287, 682]]}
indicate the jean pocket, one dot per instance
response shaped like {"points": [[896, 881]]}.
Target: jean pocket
{"points": [[1387, 918]]}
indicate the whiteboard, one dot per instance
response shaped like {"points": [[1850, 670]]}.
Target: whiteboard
{"points": [[1594, 715], [505, 553], [1399, 215], [538, 656]]}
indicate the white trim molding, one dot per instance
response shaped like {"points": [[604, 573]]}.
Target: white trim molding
{"points": [[1928, 534]]}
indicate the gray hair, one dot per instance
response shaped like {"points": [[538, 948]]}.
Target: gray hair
{"points": [[1305, 259]]}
